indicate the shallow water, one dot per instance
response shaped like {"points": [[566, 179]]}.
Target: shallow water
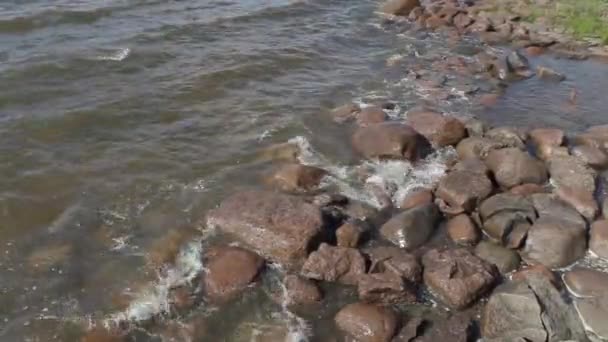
{"points": [[123, 122]]}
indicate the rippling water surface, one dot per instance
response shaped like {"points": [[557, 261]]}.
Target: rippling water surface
{"points": [[123, 121]]}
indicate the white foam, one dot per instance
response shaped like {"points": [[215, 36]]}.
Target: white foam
{"points": [[116, 56]]}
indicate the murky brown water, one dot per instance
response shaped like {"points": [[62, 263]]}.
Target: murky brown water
{"points": [[122, 122]]}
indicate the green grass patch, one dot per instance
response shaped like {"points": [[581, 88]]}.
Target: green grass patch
{"points": [[583, 18]]}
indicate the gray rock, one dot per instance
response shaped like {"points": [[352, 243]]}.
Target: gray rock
{"points": [[586, 282], [501, 213], [598, 239], [549, 206], [554, 243], [569, 171], [590, 288], [506, 260], [411, 228]]}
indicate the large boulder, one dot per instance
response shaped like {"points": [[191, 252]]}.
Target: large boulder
{"points": [[476, 147], [457, 277], [598, 239], [503, 213], [368, 322], [334, 264], [569, 171], [506, 260], [229, 270], [554, 243], [590, 289], [581, 200], [390, 140], [512, 166], [396, 260], [463, 190], [399, 7], [411, 228], [439, 129], [551, 207]]}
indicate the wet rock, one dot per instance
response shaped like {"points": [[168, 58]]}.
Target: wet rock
{"points": [[101, 334], [462, 230], [464, 189], [581, 200], [411, 228], [229, 271], [386, 140], [410, 330], [507, 137], [549, 74], [367, 322], [594, 315], [395, 260], [457, 277], [505, 259], [518, 235], [554, 243], [527, 189], [547, 137], [399, 7], [546, 152], [164, 250], [334, 264], [501, 213], [345, 112], [591, 156], [476, 147], [182, 299], [417, 198], [488, 100], [371, 115], [512, 167], [192, 329], [296, 177], [596, 136], [475, 127], [598, 240], [518, 64], [535, 50], [385, 288], [280, 152], [300, 291], [571, 172], [585, 282], [349, 234], [472, 165], [279, 227], [439, 129], [457, 328], [549, 206], [537, 270], [590, 289], [358, 210]]}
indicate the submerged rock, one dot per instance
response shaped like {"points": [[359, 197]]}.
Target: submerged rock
{"points": [[549, 74], [279, 227], [411, 228], [367, 322], [439, 129], [386, 140], [596, 136], [345, 112], [229, 271], [457, 277], [334, 264], [300, 291]]}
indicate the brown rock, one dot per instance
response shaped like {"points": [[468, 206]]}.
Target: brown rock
{"points": [[462, 21], [586, 282], [229, 271], [386, 140], [476, 147], [411, 228], [591, 156], [280, 152], [410, 330], [535, 50], [300, 291], [371, 115], [182, 298], [549, 74], [527, 189], [512, 167], [192, 329], [457, 277], [518, 235], [598, 242], [334, 264], [554, 243], [489, 100], [507, 137], [547, 136], [502, 212], [296, 177], [417, 198], [100, 334], [48, 256], [596, 136], [279, 227], [345, 112], [505, 259], [571, 172], [439, 129], [464, 189], [395, 260], [462, 230], [385, 288], [534, 271], [546, 152], [581, 200], [349, 234], [367, 322]]}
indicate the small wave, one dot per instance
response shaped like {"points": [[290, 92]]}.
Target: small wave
{"points": [[51, 18], [117, 56]]}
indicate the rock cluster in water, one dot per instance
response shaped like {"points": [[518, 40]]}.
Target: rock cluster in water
{"points": [[515, 209]]}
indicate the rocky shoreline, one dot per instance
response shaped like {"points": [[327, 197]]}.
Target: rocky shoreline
{"points": [[495, 241]]}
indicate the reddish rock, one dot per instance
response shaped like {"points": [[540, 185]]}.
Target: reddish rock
{"points": [[386, 140], [535, 270], [581, 200], [349, 234], [367, 322], [598, 241], [229, 271], [547, 136], [395, 260], [301, 291], [546, 152], [439, 129], [505, 259], [371, 115], [280, 152], [489, 100], [549, 74], [279, 227], [535, 51], [417, 198], [527, 189], [399, 7], [457, 277], [345, 112], [591, 156], [462, 230], [385, 288], [296, 177], [334, 264], [463, 189], [182, 298], [411, 228]]}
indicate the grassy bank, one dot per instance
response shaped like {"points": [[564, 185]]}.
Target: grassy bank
{"points": [[581, 18]]}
